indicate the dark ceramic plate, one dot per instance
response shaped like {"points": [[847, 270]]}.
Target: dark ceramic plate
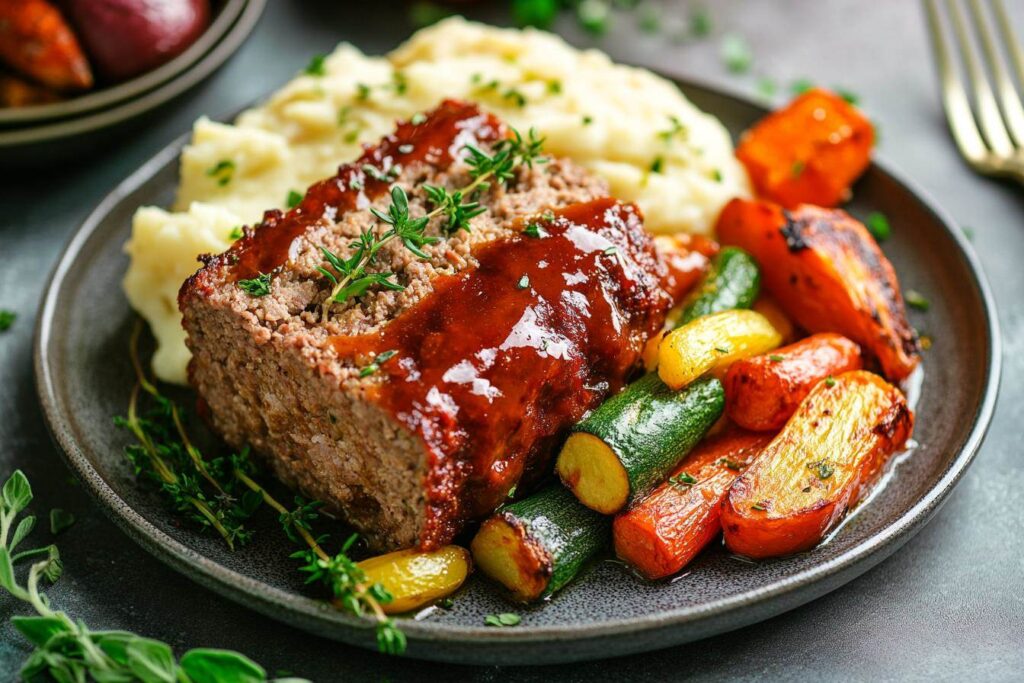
{"points": [[84, 377]]}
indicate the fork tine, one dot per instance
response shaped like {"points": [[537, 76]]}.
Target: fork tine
{"points": [[988, 111], [1013, 47], [1013, 111], [954, 98]]}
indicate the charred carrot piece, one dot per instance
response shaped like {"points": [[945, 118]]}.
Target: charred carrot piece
{"points": [[35, 40], [828, 275], [762, 392], [662, 533], [808, 152], [826, 458]]}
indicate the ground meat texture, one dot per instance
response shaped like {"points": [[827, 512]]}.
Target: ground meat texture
{"points": [[502, 340]]}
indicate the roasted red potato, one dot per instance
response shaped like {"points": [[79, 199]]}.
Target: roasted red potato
{"points": [[818, 467], [828, 275], [808, 152], [35, 40], [763, 392], [662, 533]]}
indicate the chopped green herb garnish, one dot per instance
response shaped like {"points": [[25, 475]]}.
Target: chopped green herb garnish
{"points": [[850, 97], [716, 175], [587, 119], [658, 165], [503, 619], [917, 301], [236, 233], [399, 83], [801, 85], [730, 464], [548, 215], [293, 199], [222, 171], [676, 128], [822, 468], [539, 13], [610, 251], [555, 87], [775, 358], [515, 97], [257, 286], [700, 22], [424, 13], [683, 479], [830, 381], [535, 230], [60, 520], [798, 168], [524, 282], [7, 319], [759, 506], [878, 226], [736, 54], [593, 15], [362, 92], [722, 349], [446, 603], [377, 362], [316, 66], [766, 87]]}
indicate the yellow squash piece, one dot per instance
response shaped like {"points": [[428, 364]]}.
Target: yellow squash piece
{"points": [[415, 578], [712, 343]]}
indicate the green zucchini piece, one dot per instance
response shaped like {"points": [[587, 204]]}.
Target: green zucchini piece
{"points": [[537, 545], [634, 439], [733, 281]]}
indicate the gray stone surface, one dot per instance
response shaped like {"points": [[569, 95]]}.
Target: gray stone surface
{"points": [[949, 605]]}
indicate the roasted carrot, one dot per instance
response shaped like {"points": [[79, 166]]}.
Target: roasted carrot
{"points": [[35, 40], [663, 532], [808, 152], [762, 392], [829, 454], [828, 275]]}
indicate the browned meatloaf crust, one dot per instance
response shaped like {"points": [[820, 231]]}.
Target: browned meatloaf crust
{"points": [[503, 339]]}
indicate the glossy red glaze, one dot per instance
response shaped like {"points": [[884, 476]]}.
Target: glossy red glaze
{"points": [[436, 140], [498, 361]]}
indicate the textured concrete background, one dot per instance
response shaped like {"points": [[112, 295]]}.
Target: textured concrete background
{"points": [[949, 605]]}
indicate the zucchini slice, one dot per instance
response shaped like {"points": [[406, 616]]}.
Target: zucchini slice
{"points": [[535, 546], [634, 439], [732, 281]]}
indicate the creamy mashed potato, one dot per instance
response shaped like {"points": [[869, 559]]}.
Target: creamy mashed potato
{"points": [[626, 124]]}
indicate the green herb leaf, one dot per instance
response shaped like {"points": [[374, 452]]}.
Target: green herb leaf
{"points": [[851, 98], [736, 54], [800, 86], [593, 15], [775, 358], [878, 226], [39, 630], [151, 660], [7, 319], [766, 88], [424, 13], [683, 479], [293, 199], [535, 230], [220, 666], [377, 362], [223, 171], [539, 13], [316, 66], [236, 233], [758, 506], [830, 381], [658, 165], [700, 22], [503, 619], [16, 493], [917, 301], [60, 520], [24, 528], [822, 468], [257, 286], [587, 119], [730, 464], [798, 168]]}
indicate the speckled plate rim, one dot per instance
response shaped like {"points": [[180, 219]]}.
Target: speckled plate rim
{"points": [[227, 45], [510, 646]]}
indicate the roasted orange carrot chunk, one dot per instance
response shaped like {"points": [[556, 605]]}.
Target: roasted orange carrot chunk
{"points": [[665, 531], [35, 40], [762, 392], [828, 274], [824, 460], [808, 152]]}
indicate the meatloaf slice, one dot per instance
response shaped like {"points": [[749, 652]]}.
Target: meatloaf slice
{"points": [[411, 412]]}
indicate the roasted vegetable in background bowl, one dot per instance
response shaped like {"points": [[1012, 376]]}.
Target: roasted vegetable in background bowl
{"points": [[828, 274], [818, 467]]}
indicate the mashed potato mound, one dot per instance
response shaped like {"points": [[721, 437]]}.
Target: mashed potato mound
{"points": [[626, 124]]}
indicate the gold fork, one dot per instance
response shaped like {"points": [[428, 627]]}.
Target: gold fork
{"points": [[997, 149]]}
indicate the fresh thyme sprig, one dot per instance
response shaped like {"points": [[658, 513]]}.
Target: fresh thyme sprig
{"points": [[68, 650], [350, 279], [222, 493], [338, 573]]}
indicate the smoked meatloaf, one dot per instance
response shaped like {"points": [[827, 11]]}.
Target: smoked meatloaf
{"points": [[412, 412]]}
